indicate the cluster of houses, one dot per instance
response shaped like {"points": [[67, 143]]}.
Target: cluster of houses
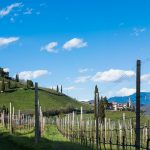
{"points": [[120, 106], [116, 106]]}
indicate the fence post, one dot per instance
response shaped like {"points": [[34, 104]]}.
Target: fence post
{"points": [[10, 119], [138, 74], [147, 144], [110, 143], [37, 121], [123, 142], [97, 119]]}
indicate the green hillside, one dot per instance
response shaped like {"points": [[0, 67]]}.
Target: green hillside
{"points": [[23, 99], [21, 95]]}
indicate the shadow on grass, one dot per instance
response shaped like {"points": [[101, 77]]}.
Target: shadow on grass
{"points": [[15, 142], [10, 91]]}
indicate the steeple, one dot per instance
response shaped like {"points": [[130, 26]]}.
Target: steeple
{"points": [[129, 102]]}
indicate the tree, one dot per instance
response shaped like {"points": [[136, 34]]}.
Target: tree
{"points": [[57, 88], [105, 101], [101, 105], [95, 92], [17, 77], [102, 110], [3, 86], [9, 85], [61, 89], [29, 84], [1, 72]]}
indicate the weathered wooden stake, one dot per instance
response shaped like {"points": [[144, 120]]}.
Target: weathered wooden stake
{"points": [[138, 76], [37, 115], [97, 119], [19, 117], [10, 119]]}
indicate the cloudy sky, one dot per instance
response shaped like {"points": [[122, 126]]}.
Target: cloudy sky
{"points": [[77, 43]]}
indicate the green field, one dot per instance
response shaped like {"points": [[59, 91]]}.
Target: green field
{"points": [[23, 99], [51, 140], [118, 115]]}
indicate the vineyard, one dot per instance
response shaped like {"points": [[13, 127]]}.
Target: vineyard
{"points": [[87, 127], [19, 129], [118, 134], [114, 133]]}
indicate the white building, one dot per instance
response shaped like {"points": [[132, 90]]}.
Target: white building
{"points": [[119, 106]]}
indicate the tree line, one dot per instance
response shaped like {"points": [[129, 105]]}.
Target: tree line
{"points": [[8, 83]]}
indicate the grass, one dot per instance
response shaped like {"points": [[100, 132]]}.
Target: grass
{"points": [[52, 140], [118, 115], [23, 99], [115, 115]]}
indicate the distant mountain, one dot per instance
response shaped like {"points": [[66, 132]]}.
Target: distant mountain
{"points": [[91, 102], [145, 98]]}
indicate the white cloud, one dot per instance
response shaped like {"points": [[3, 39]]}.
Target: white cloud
{"points": [[82, 79], [71, 88], [28, 11], [126, 92], [146, 78], [84, 100], [110, 94], [50, 47], [83, 70], [33, 74], [138, 31], [6, 69], [113, 75], [8, 9], [52, 87], [6, 41], [74, 43]]}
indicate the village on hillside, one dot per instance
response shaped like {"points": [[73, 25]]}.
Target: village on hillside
{"points": [[115, 106]]}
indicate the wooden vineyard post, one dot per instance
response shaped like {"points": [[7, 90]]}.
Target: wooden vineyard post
{"points": [[37, 115], [13, 113], [10, 119], [97, 116], [41, 120], [138, 76], [78, 130], [65, 127], [19, 117], [3, 118], [8, 125], [81, 128], [131, 131], [68, 133], [73, 126], [105, 129], [147, 145]]}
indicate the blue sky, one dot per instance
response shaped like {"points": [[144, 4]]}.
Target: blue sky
{"points": [[77, 43]]}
